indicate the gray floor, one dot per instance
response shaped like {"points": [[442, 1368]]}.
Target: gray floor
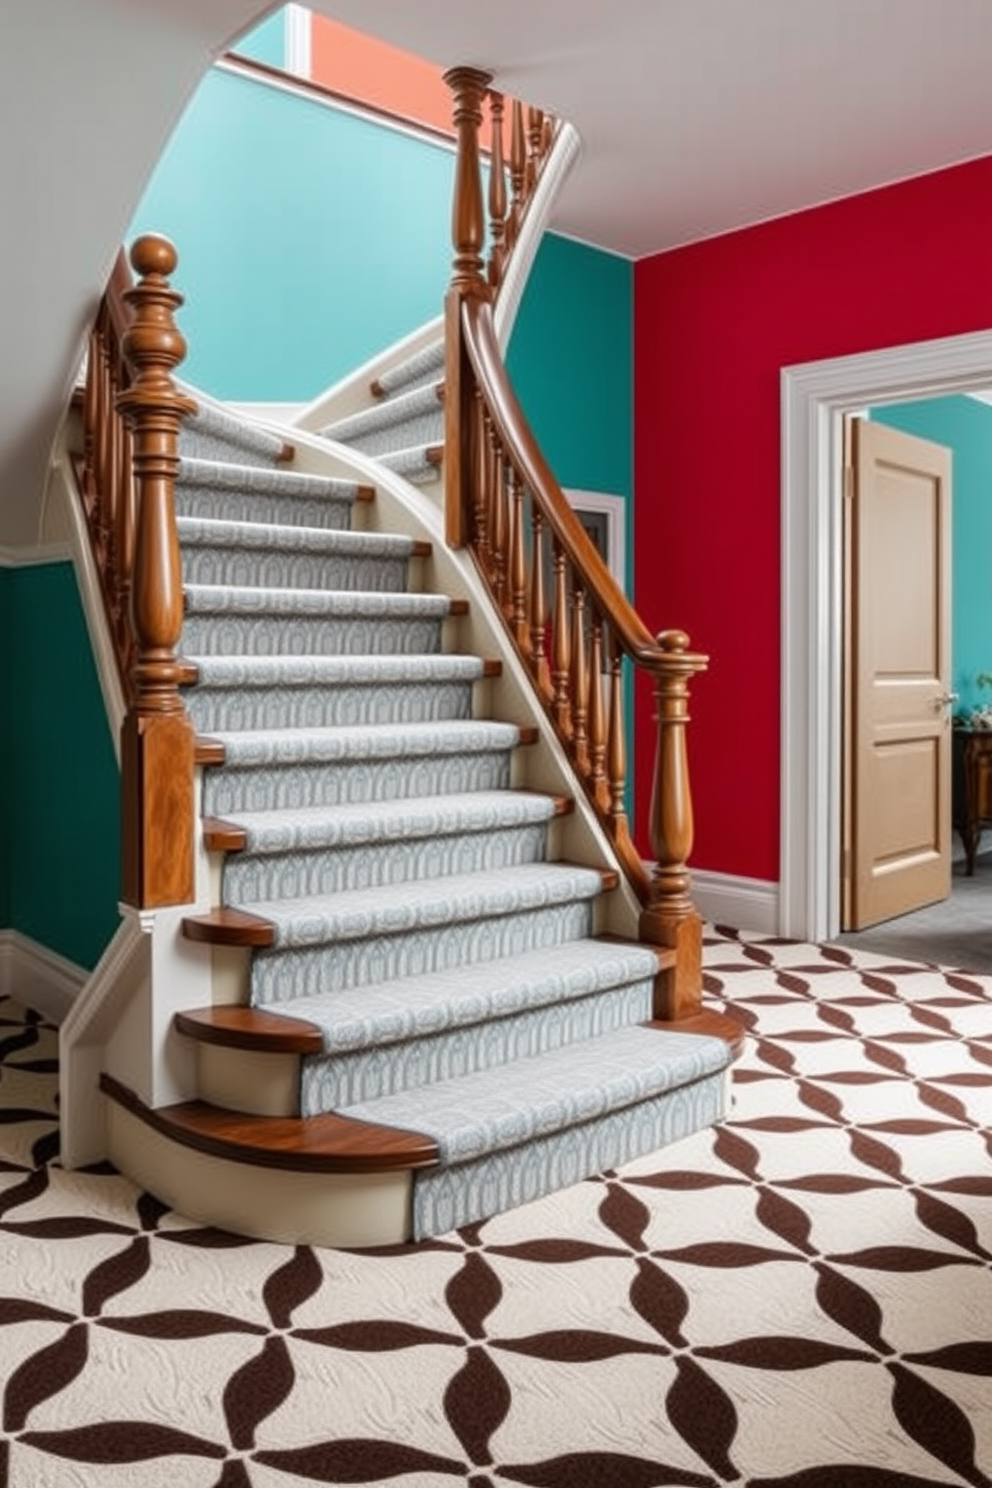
{"points": [[957, 932]]}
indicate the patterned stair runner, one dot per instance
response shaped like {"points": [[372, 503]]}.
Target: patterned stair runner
{"points": [[417, 922]]}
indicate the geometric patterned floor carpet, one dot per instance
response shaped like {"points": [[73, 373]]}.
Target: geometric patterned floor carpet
{"points": [[800, 1298]]}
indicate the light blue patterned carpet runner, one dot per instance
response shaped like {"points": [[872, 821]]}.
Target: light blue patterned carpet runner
{"points": [[450, 966]]}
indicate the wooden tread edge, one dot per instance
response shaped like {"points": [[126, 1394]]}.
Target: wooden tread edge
{"points": [[223, 836], [435, 454], [365, 493], [711, 1024], [286, 454], [304, 1144], [229, 927], [207, 751], [237, 1027]]}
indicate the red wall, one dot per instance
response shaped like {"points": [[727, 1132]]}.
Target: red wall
{"points": [[713, 325]]}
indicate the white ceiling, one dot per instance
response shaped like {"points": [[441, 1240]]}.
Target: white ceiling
{"points": [[702, 115]]}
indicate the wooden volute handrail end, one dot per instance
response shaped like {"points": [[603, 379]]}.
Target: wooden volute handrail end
{"points": [[229, 927]]}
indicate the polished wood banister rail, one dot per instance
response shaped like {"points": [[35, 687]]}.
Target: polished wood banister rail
{"points": [[132, 413], [570, 621]]}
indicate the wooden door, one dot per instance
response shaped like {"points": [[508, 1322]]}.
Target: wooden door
{"points": [[897, 848]]}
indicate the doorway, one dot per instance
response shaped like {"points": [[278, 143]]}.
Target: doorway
{"points": [[815, 398]]}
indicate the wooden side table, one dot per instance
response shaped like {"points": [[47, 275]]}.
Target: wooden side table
{"points": [[971, 792]]}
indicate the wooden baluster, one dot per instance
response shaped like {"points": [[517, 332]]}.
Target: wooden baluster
{"points": [[124, 535], [549, 136], [104, 414], [535, 134], [560, 649], [497, 192], [518, 171], [518, 565], [616, 746], [157, 736], [468, 86], [480, 504], [538, 606], [579, 680], [499, 516], [597, 717], [670, 918], [91, 398]]}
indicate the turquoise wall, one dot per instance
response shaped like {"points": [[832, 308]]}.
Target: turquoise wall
{"points": [[965, 426], [309, 239], [266, 43], [62, 820]]}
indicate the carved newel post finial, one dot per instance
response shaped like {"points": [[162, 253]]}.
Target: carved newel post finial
{"points": [[157, 738], [468, 226], [671, 918]]}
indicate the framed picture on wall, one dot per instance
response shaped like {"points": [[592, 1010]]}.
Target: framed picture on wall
{"points": [[604, 519]]}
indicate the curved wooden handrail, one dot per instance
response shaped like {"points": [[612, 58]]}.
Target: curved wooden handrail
{"points": [[569, 620]]}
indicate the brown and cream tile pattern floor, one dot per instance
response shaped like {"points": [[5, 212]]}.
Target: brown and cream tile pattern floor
{"points": [[801, 1298]]}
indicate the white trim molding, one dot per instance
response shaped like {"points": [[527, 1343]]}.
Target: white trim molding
{"points": [[815, 398], [743, 903], [38, 977], [614, 508], [299, 31]]}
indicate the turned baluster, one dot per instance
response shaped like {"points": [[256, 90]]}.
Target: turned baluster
{"points": [[616, 746], [560, 648], [538, 610], [518, 565], [597, 717], [535, 135], [499, 519], [157, 736], [497, 191], [105, 416], [579, 681], [461, 460], [549, 136], [480, 491], [91, 400], [671, 918], [518, 171]]}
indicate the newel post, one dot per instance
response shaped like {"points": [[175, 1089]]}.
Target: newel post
{"points": [[468, 232], [670, 918], [157, 737]]}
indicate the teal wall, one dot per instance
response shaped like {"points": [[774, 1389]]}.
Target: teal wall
{"points": [[965, 426], [309, 239], [62, 824], [266, 43]]}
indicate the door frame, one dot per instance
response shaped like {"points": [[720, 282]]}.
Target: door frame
{"points": [[814, 399]]}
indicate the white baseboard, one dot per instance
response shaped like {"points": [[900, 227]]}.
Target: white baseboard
{"points": [[743, 903], [37, 977]]}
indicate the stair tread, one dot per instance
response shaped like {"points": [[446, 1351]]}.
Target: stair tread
{"points": [[215, 421], [221, 532], [262, 671], [433, 1002], [256, 747], [358, 913], [395, 410], [230, 476], [513, 1103], [261, 599], [254, 1029], [426, 363], [413, 459], [319, 1144], [312, 827]]}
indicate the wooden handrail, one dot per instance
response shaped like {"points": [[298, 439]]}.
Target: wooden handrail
{"points": [[132, 412], [570, 621]]}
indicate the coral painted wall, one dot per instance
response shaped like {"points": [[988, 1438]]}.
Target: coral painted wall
{"points": [[713, 325]]}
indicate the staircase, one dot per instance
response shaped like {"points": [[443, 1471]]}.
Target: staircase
{"points": [[424, 1007]]}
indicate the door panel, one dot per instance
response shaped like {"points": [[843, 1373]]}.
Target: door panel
{"points": [[898, 779]]}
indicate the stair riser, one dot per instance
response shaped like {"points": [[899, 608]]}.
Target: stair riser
{"points": [[291, 787], [279, 975], [342, 1079], [275, 707], [275, 635], [235, 506], [447, 1198], [424, 429], [249, 879], [279, 569]]}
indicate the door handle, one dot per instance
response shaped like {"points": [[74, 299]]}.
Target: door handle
{"points": [[945, 700]]}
